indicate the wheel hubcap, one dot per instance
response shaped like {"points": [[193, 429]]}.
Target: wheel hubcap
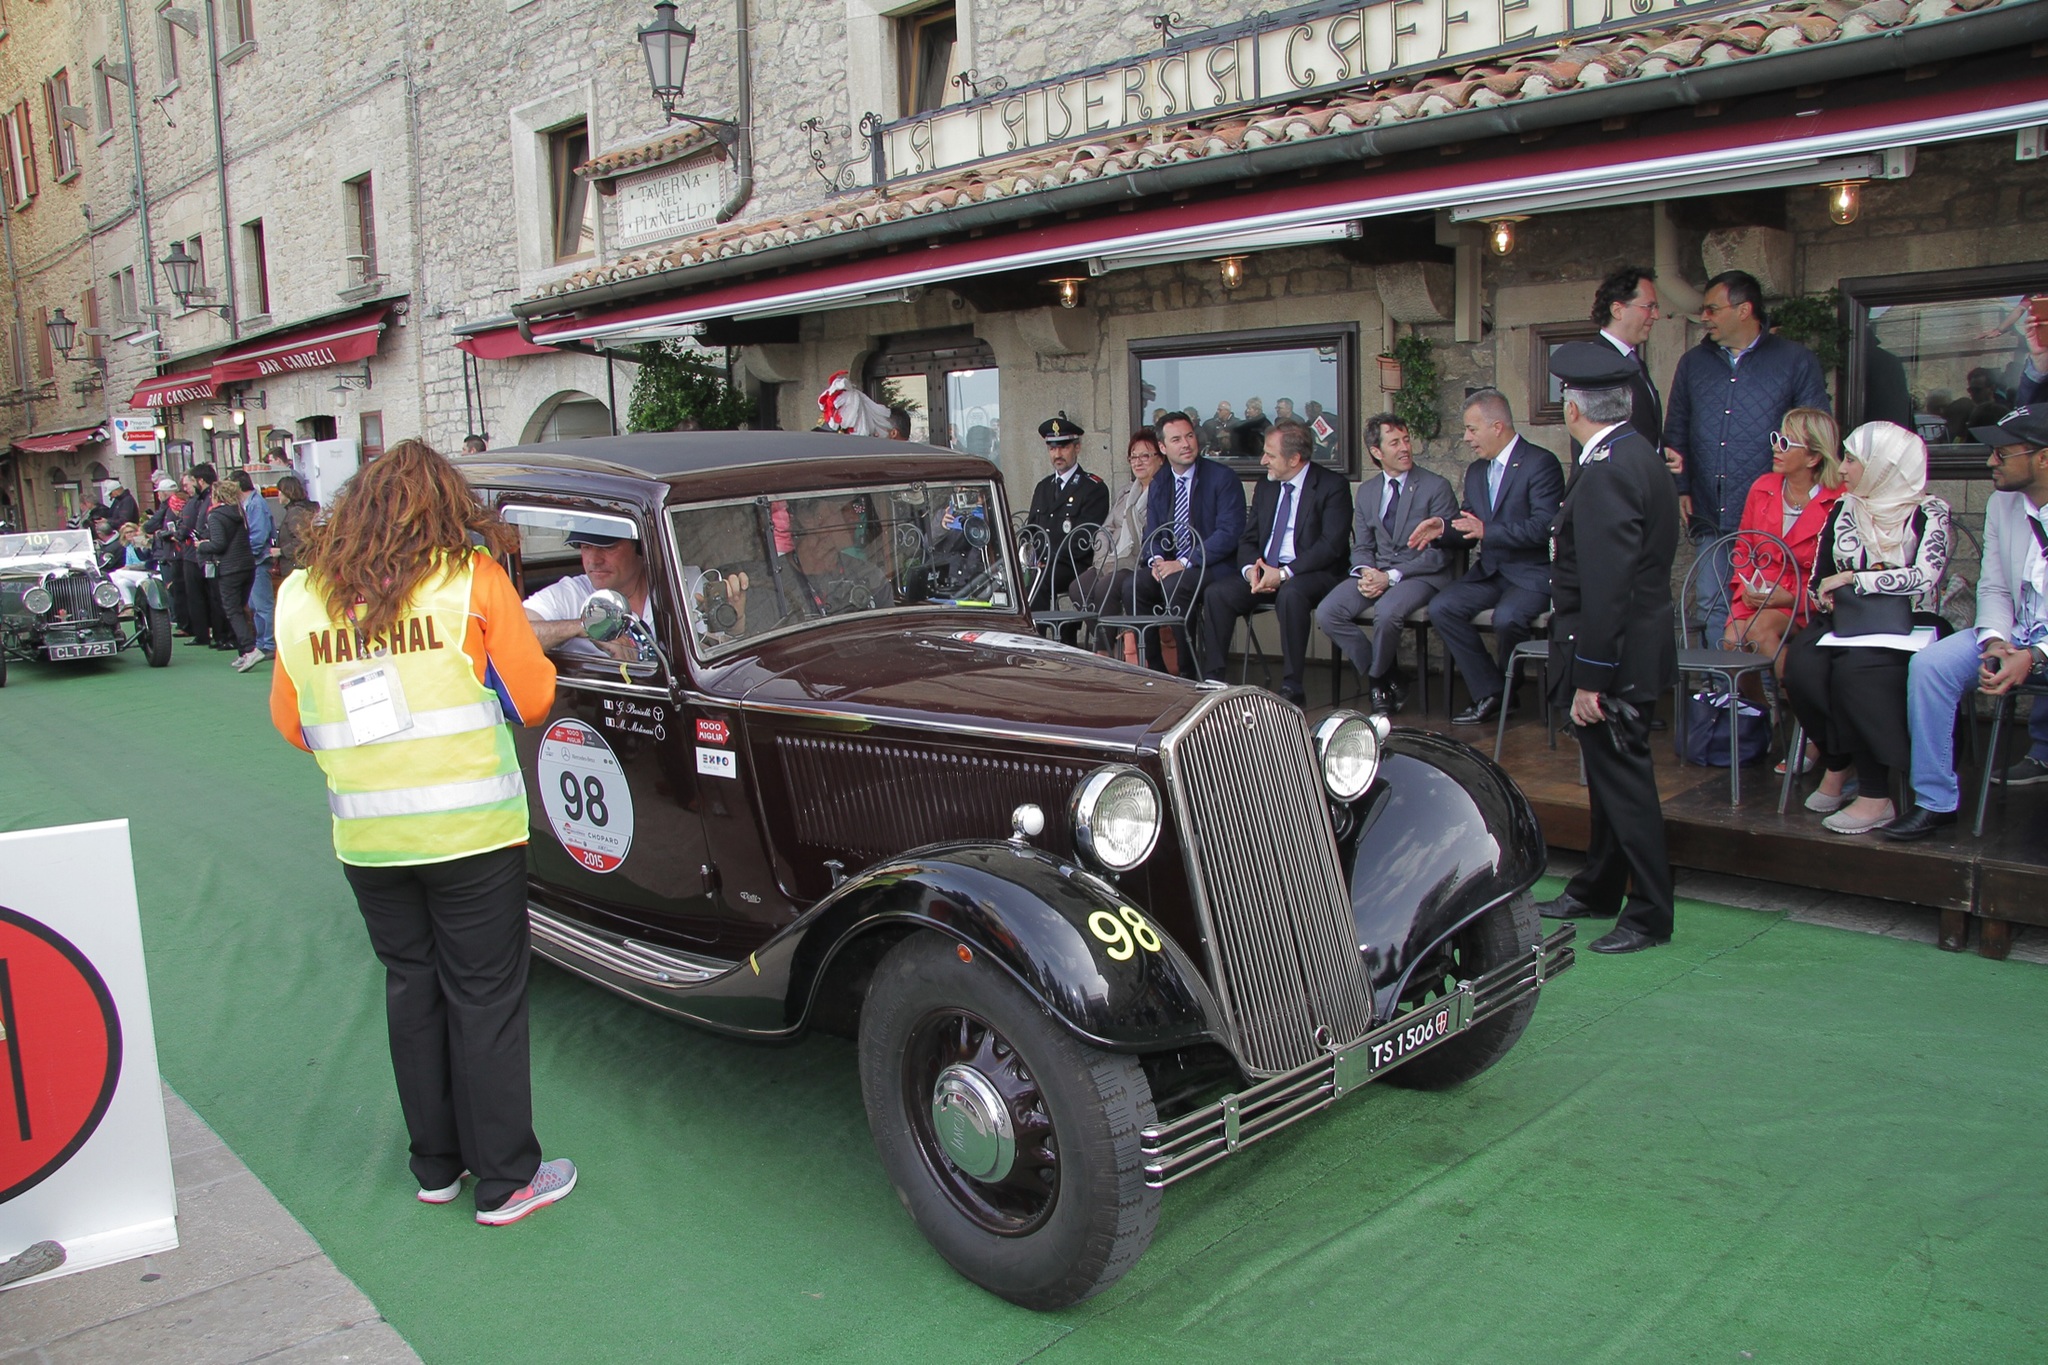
{"points": [[972, 1123]]}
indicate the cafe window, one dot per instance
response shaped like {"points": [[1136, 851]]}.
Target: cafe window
{"points": [[928, 57], [1546, 390], [572, 208], [947, 382], [1236, 385], [1941, 352]]}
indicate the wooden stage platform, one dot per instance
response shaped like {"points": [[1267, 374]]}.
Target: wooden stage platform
{"points": [[1998, 881]]}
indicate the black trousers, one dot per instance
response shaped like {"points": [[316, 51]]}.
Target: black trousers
{"points": [[234, 608], [202, 604], [1627, 867], [1176, 594], [173, 573], [1852, 704], [1230, 598], [452, 937]]}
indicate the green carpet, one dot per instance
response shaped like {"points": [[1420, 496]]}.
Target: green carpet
{"points": [[1769, 1141]]}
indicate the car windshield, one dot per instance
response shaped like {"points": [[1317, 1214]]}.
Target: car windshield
{"points": [[755, 568], [37, 552]]}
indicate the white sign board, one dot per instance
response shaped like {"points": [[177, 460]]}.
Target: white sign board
{"points": [[85, 1159], [1267, 59], [135, 436], [671, 201]]}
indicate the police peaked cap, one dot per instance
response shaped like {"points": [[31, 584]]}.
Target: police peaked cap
{"points": [[1059, 430], [1592, 365]]}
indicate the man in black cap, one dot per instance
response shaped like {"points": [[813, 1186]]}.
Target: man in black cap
{"points": [[1066, 499], [1612, 654], [608, 562]]}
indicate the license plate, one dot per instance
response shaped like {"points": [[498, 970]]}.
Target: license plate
{"points": [[87, 649], [1419, 1030]]}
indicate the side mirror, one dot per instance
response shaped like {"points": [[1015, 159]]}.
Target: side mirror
{"points": [[606, 616]]}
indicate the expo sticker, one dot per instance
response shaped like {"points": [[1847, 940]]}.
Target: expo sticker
{"points": [[583, 789], [713, 732], [60, 1051], [717, 762]]}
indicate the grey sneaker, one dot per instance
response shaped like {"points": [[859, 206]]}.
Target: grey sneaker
{"points": [[245, 662], [552, 1181], [2024, 773]]}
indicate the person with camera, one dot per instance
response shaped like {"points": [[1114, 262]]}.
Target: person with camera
{"points": [[1876, 576], [228, 567]]}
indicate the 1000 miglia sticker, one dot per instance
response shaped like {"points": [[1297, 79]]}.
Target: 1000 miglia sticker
{"points": [[584, 791]]}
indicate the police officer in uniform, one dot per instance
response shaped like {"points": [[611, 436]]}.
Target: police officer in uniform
{"points": [[1065, 499], [1612, 652]]}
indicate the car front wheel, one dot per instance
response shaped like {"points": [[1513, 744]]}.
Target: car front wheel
{"points": [[1506, 931], [1013, 1145], [156, 635]]}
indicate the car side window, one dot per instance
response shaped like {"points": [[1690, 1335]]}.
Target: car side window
{"points": [[565, 557]]}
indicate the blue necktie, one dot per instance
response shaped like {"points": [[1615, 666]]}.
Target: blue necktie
{"points": [[1393, 503], [1281, 522], [1494, 473], [1183, 530]]}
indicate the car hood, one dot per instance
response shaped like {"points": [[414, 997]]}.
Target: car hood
{"points": [[993, 680]]}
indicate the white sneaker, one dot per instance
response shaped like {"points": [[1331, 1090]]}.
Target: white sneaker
{"points": [[245, 662], [446, 1194], [1841, 822]]}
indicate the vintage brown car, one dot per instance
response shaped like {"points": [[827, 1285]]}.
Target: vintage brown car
{"points": [[1094, 928]]}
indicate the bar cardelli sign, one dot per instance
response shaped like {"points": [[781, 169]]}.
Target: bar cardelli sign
{"points": [[1314, 48]]}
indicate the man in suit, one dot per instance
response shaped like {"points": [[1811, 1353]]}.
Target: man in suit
{"points": [[1612, 654], [1290, 556], [1216, 431], [1389, 577], [1068, 498], [1194, 517], [2010, 642], [1624, 309], [1511, 494]]}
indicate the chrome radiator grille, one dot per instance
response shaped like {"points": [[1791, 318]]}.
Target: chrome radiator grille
{"points": [[1262, 859], [71, 596]]}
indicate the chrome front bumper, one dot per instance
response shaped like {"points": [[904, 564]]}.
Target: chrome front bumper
{"points": [[1204, 1137]]}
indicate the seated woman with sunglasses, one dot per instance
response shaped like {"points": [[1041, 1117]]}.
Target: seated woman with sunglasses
{"points": [[1886, 535], [1793, 503]]}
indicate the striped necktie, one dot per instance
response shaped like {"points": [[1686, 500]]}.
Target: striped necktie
{"points": [[1183, 529]]}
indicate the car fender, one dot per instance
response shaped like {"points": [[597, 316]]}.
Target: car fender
{"points": [[1442, 836], [153, 592], [1095, 961]]}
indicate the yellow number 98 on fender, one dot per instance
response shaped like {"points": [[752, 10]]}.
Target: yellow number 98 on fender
{"points": [[1123, 941]]}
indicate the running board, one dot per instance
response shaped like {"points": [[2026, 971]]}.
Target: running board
{"points": [[664, 968]]}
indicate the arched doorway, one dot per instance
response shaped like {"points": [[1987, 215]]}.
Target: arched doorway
{"points": [[568, 416]]}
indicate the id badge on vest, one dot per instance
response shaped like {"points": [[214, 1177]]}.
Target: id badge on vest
{"points": [[374, 701]]}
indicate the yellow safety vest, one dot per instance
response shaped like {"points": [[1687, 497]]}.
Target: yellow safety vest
{"points": [[445, 787]]}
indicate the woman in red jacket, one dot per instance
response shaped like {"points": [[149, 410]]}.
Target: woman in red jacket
{"points": [[1791, 502]]}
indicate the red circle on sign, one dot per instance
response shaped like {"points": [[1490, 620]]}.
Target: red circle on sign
{"points": [[61, 1056]]}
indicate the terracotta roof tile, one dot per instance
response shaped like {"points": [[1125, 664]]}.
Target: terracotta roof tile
{"points": [[1659, 49]]}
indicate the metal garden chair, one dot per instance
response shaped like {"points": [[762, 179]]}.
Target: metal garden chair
{"points": [[1751, 554]]}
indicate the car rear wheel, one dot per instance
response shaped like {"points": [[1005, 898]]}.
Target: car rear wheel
{"points": [[1013, 1145], [1504, 932], [156, 635]]}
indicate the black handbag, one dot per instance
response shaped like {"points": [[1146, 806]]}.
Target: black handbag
{"points": [[1872, 613]]}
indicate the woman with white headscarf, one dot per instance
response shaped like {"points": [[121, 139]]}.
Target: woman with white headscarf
{"points": [[1885, 536]]}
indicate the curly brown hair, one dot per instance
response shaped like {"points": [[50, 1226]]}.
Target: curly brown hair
{"points": [[405, 515]]}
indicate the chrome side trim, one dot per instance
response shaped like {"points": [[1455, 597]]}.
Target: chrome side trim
{"points": [[938, 726], [663, 968], [1197, 1140], [588, 684]]}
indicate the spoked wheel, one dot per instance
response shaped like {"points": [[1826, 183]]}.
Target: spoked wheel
{"points": [[1013, 1145], [156, 635], [1504, 932]]}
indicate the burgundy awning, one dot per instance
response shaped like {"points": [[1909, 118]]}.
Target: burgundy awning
{"points": [[501, 343], [187, 386], [57, 443], [309, 348]]}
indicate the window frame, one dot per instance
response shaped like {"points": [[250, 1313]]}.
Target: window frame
{"points": [[1959, 460], [359, 208], [102, 99], [168, 69], [63, 138], [18, 173], [561, 164], [241, 23], [1342, 335], [912, 31], [1545, 337], [255, 268], [932, 355], [368, 451], [196, 245]]}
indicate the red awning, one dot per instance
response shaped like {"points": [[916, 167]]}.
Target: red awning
{"points": [[310, 348], [57, 443], [501, 343], [187, 386]]}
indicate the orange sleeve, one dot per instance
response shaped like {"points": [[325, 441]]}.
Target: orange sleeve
{"points": [[501, 643], [284, 707]]}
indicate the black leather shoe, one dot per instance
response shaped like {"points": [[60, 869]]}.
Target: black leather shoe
{"points": [[1626, 941], [1397, 694], [1382, 699], [1298, 698], [1481, 712], [1571, 907], [1917, 823]]}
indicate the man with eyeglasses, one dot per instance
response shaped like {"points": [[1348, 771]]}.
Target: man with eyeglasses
{"points": [[1728, 395], [1624, 309], [2010, 642]]}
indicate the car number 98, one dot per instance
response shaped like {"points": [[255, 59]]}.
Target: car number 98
{"points": [[1124, 932]]}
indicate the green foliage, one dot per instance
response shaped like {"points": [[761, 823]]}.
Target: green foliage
{"points": [[1415, 401], [678, 385], [1815, 322]]}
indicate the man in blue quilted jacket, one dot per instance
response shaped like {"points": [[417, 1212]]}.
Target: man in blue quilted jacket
{"points": [[1727, 397]]}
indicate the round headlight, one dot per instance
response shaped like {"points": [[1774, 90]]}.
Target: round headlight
{"points": [[1116, 817], [1348, 745], [36, 600], [106, 594]]}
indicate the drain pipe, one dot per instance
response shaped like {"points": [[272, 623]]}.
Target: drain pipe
{"points": [[28, 402], [743, 144], [220, 172]]}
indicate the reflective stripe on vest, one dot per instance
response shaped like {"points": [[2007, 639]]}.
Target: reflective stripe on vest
{"points": [[425, 800], [449, 720]]}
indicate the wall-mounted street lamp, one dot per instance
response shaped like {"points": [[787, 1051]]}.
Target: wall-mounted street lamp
{"points": [[181, 268], [1845, 201], [667, 44], [1233, 270], [1500, 234], [1069, 287], [64, 336]]}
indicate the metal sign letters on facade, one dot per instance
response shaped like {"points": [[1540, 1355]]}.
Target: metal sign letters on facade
{"points": [[1315, 48]]}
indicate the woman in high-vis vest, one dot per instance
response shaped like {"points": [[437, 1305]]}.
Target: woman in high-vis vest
{"points": [[404, 659]]}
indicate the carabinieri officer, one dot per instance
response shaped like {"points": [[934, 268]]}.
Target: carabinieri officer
{"points": [[1065, 500], [1612, 653]]}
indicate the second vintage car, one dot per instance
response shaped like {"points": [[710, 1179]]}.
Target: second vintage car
{"points": [[56, 606], [1094, 928]]}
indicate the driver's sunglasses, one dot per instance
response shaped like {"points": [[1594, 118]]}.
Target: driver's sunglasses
{"points": [[2004, 453], [1780, 443]]}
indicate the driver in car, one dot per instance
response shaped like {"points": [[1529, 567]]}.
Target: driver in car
{"points": [[608, 562]]}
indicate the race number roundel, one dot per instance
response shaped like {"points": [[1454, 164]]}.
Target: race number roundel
{"points": [[60, 1055], [584, 790]]}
